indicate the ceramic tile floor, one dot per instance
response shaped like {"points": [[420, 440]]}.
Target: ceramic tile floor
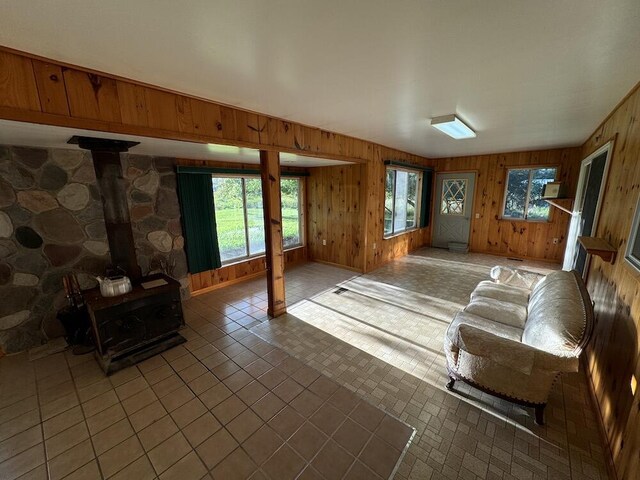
{"points": [[229, 405], [382, 338], [225, 405]]}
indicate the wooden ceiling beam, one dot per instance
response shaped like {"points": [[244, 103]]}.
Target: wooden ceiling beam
{"points": [[43, 91]]}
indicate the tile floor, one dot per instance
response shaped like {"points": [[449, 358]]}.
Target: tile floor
{"points": [[382, 338], [225, 405], [228, 404]]}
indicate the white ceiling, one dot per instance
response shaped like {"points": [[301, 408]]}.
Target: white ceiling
{"points": [[523, 74], [45, 136]]}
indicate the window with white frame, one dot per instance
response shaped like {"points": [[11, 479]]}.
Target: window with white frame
{"points": [[523, 193], [240, 217], [401, 207]]}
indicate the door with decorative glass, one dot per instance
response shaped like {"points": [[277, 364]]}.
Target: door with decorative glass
{"points": [[453, 208]]}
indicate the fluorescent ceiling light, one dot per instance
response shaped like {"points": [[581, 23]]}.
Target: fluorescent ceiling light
{"points": [[452, 126], [217, 148]]}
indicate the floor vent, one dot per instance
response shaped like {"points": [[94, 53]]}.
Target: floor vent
{"points": [[515, 259], [340, 291]]}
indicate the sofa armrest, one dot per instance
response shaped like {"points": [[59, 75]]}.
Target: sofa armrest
{"points": [[515, 277], [511, 353]]}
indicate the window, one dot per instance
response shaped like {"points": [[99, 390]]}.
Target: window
{"points": [[523, 193], [400, 201], [454, 196], [632, 254], [240, 217], [291, 212]]}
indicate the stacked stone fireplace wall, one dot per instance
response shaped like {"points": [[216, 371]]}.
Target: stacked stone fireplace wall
{"points": [[52, 224]]}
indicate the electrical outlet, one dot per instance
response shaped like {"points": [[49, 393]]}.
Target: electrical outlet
{"points": [[324, 242], [477, 215], [374, 245], [556, 241]]}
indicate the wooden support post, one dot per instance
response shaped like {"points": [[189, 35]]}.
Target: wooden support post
{"points": [[270, 170]]}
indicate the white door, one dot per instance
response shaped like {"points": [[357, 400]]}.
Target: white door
{"points": [[453, 208], [586, 209]]}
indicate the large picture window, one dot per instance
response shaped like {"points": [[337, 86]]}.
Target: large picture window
{"points": [[401, 201], [523, 193], [240, 217]]}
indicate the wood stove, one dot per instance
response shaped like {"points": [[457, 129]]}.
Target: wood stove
{"points": [[132, 327]]}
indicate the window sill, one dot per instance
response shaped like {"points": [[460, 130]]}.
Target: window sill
{"points": [[404, 232], [523, 220], [236, 261]]}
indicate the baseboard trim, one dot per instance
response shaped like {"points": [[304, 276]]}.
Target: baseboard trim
{"points": [[511, 255], [200, 291], [608, 454], [353, 269]]}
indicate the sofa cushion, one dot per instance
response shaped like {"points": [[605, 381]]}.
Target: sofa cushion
{"points": [[496, 328], [557, 316], [507, 313], [504, 293]]}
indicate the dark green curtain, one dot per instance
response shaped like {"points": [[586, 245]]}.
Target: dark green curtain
{"points": [[425, 207], [198, 221]]}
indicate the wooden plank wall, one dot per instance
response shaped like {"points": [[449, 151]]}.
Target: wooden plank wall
{"points": [[613, 354], [335, 209], [387, 249], [228, 275], [490, 233], [346, 208], [38, 90]]}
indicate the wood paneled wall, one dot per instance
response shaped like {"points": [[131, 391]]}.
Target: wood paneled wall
{"points": [[336, 204], [39, 90], [346, 208], [613, 356], [228, 275], [490, 233], [387, 249]]}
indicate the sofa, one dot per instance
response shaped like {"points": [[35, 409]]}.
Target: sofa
{"points": [[518, 333]]}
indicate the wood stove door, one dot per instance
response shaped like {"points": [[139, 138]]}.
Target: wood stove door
{"points": [[130, 324], [164, 318], [123, 332]]}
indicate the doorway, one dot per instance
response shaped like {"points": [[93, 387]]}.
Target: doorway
{"points": [[453, 207], [586, 210]]}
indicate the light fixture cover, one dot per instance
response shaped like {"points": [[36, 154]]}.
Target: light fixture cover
{"points": [[453, 126]]}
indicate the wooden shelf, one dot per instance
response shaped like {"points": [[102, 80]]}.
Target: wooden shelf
{"points": [[599, 247], [563, 204]]}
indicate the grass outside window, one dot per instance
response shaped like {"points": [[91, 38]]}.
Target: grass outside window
{"points": [[240, 220]]}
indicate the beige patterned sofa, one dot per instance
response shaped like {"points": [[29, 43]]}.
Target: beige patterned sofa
{"points": [[519, 333]]}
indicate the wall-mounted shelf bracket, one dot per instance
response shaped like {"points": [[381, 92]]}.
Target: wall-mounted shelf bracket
{"points": [[563, 204], [599, 247]]}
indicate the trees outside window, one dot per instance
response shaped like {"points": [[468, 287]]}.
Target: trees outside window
{"points": [[523, 193], [400, 201]]}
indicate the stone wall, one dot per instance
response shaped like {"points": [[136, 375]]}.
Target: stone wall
{"points": [[51, 224]]}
